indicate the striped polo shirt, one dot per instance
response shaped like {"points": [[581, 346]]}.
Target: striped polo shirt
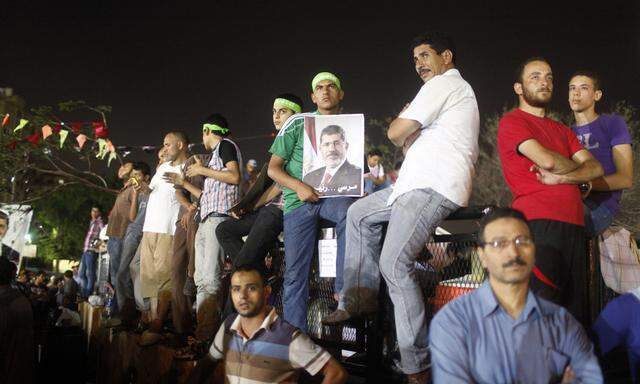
{"points": [[275, 353]]}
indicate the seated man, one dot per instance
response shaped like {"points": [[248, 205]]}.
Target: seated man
{"points": [[256, 345], [502, 332]]}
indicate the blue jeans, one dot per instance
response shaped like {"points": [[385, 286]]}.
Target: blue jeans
{"points": [[300, 237], [87, 272], [597, 218], [114, 248], [412, 219]]}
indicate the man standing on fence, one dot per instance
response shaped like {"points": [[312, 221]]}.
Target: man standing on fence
{"points": [[607, 138], [543, 163], [303, 208], [90, 255], [439, 133], [502, 332]]}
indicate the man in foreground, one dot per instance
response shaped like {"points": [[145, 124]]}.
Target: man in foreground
{"points": [[502, 332]]}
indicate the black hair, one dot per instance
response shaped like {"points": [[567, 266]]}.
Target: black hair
{"points": [[181, 136], [248, 267], [332, 130], [590, 74], [497, 214], [7, 271], [142, 167], [219, 120], [436, 40], [97, 206], [68, 274], [398, 165], [374, 152], [520, 71], [291, 97], [4, 216]]}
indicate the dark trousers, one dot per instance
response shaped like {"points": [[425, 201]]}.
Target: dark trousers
{"points": [[87, 272], [561, 269], [183, 240], [261, 227]]}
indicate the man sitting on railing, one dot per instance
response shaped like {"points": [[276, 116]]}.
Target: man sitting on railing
{"points": [[439, 131], [502, 332]]}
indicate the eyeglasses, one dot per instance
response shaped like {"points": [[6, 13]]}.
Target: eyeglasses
{"points": [[501, 244]]}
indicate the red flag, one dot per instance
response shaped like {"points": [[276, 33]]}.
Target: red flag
{"points": [[76, 127], [34, 139], [100, 130], [5, 120], [57, 128]]}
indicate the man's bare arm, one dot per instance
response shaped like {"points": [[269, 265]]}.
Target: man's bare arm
{"points": [[277, 173], [623, 177], [588, 169], [271, 193], [334, 373], [545, 158], [400, 129]]}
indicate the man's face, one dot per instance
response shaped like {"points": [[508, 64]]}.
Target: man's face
{"points": [[373, 160], [428, 62], [172, 147], [138, 175], [280, 115], [333, 148], [124, 171], [248, 293], [537, 84], [4, 227], [582, 94], [250, 168], [95, 213], [510, 264], [326, 95], [162, 157]]}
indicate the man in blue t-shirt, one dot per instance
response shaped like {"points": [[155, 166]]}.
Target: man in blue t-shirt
{"points": [[608, 139]]}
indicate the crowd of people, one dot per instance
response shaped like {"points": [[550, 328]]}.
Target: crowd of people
{"points": [[170, 232]]}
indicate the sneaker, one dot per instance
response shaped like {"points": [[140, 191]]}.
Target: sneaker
{"points": [[149, 338], [336, 317]]}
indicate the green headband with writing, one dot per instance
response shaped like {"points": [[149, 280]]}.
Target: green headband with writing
{"points": [[325, 76], [287, 104], [214, 128]]}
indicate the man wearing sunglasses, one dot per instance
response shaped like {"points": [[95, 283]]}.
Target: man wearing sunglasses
{"points": [[502, 332]]}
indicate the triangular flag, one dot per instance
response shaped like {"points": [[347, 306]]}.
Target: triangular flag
{"points": [[81, 139], [110, 146], [102, 152], [63, 137], [34, 139], [111, 157], [5, 120], [21, 125], [46, 132]]}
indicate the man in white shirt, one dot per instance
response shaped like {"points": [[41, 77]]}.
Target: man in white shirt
{"points": [[157, 235], [438, 131]]}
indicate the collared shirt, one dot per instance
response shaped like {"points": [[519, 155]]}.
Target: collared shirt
{"points": [[443, 156], [95, 226], [473, 339], [302, 352]]}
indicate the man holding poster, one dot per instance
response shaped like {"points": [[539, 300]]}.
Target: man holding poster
{"points": [[303, 208], [438, 131]]}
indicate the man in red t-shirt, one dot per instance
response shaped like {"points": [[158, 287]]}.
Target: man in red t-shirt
{"points": [[543, 163]]}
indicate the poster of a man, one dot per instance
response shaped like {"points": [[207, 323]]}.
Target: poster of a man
{"points": [[333, 153]]}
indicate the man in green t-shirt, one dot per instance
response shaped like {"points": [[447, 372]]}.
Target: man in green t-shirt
{"points": [[303, 208]]}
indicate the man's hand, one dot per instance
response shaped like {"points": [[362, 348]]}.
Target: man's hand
{"points": [[195, 169], [173, 178], [546, 177], [188, 215], [307, 194], [569, 376], [237, 214]]}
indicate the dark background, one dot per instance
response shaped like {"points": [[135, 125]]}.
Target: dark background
{"points": [[165, 66]]}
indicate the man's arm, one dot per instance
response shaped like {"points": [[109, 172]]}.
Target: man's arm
{"points": [[546, 159], [623, 177], [334, 373], [271, 193], [449, 354], [583, 362], [400, 129], [133, 208], [588, 169], [277, 173], [229, 176]]}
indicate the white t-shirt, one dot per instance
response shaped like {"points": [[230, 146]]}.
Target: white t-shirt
{"points": [[163, 206], [443, 156], [376, 171]]}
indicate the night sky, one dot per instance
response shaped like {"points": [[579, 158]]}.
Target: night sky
{"points": [[165, 67]]}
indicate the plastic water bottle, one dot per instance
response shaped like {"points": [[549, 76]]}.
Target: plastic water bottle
{"points": [[108, 306]]}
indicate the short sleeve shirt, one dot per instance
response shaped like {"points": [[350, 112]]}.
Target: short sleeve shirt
{"points": [[163, 206], [536, 200], [289, 146], [599, 137]]}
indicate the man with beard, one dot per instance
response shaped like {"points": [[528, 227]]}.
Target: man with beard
{"points": [[543, 163], [303, 208], [502, 332], [607, 138], [258, 346]]}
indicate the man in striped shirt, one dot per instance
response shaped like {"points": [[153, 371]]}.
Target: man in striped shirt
{"points": [[88, 262]]}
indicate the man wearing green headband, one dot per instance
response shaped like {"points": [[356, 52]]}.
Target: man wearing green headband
{"points": [[259, 214], [303, 209]]}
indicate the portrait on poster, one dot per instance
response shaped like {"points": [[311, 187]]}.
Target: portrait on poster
{"points": [[334, 154]]}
